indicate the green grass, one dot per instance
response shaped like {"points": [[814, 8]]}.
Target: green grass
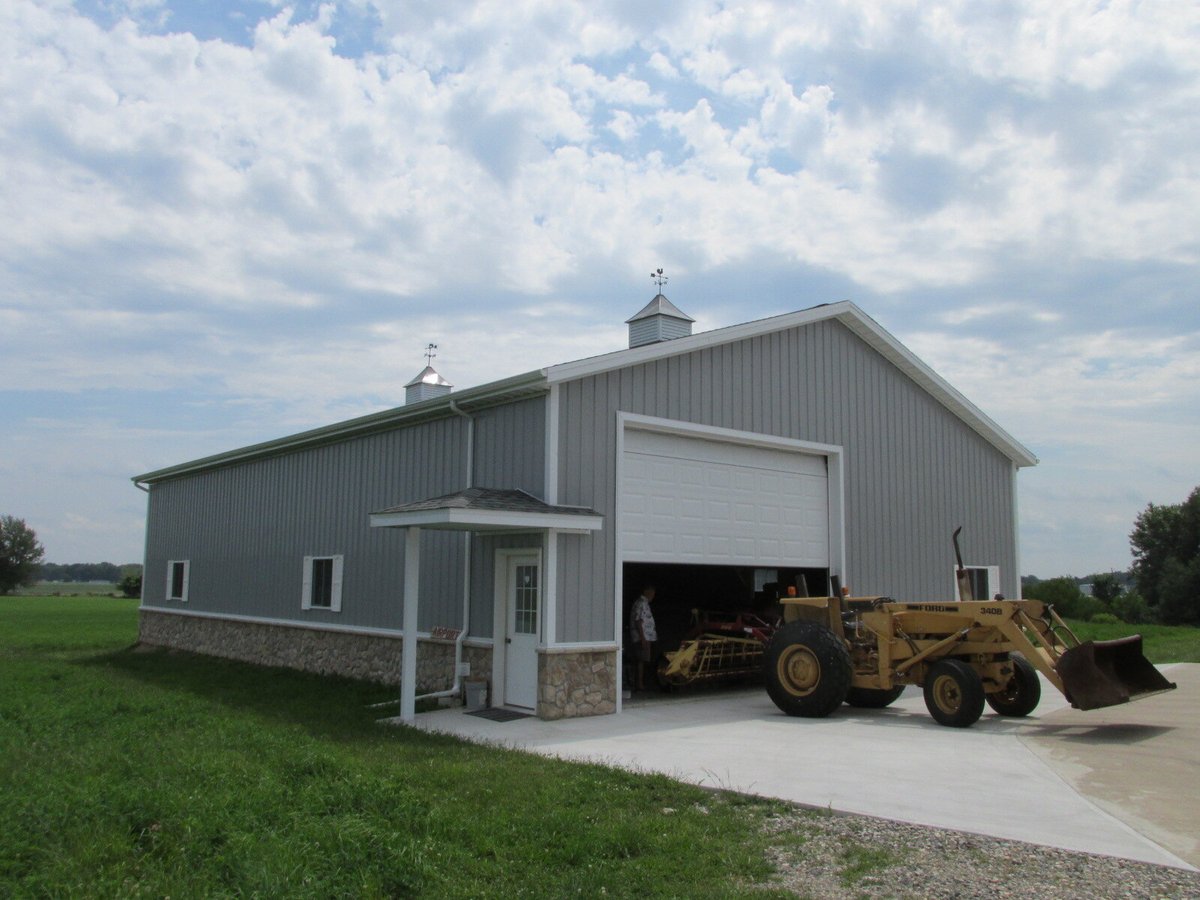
{"points": [[1160, 643], [859, 861], [127, 772]]}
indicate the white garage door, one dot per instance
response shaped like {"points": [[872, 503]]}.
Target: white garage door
{"points": [[691, 500]]}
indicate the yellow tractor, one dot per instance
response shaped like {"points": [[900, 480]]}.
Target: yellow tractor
{"points": [[864, 650]]}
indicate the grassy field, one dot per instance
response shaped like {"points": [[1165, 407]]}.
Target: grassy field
{"points": [[128, 773], [133, 773], [1160, 643]]}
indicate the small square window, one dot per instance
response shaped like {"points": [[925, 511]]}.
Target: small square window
{"points": [[177, 580], [983, 580], [322, 583]]}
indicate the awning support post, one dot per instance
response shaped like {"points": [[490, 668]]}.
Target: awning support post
{"points": [[408, 663]]}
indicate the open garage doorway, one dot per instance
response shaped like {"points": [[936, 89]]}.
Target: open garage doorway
{"points": [[695, 600]]}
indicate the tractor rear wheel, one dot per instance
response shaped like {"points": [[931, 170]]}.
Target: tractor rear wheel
{"points": [[807, 669], [954, 693], [873, 698], [1021, 695]]}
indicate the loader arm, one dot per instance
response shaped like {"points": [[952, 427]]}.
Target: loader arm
{"points": [[1043, 655]]}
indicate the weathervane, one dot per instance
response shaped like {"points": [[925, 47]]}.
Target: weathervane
{"points": [[430, 353], [659, 278]]}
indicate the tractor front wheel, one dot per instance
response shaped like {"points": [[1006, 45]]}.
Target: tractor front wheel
{"points": [[1021, 695], [954, 693], [807, 669]]}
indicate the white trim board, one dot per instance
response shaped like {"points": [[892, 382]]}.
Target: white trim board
{"points": [[285, 623]]}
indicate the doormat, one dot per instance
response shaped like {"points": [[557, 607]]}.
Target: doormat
{"points": [[499, 715]]}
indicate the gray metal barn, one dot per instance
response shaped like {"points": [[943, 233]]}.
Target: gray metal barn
{"points": [[506, 528]]}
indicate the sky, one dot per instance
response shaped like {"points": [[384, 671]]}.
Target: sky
{"points": [[226, 222]]}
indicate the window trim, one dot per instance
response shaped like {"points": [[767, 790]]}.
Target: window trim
{"points": [[182, 597], [335, 587]]}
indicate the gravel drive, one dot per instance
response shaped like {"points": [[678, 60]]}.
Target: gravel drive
{"points": [[858, 857]]}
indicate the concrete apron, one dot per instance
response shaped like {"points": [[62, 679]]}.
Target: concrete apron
{"points": [[895, 763]]}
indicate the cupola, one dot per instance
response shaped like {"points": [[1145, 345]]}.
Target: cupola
{"points": [[428, 384], [659, 320]]}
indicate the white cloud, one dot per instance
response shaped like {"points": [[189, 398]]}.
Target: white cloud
{"points": [[241, 218]]}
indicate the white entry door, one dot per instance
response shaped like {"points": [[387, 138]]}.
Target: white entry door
{"points": [[522, 596]]}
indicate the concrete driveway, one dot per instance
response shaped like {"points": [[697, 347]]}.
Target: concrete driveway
{"points": [[1080, 781]]}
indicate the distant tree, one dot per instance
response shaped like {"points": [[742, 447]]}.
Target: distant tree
{"points": [[1179, 592], [20, 554], [1065, 596], [80, 572], [131, 584], [1132, 607], [1166, 559], [1107, 587]]}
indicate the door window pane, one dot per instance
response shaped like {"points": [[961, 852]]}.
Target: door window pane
{"points": [[526, 605]]}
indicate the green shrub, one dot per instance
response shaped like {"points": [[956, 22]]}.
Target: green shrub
{"points": [[1132, 607], [1104, 618]]}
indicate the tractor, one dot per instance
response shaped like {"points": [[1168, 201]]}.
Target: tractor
{"points": [[864, 651]]}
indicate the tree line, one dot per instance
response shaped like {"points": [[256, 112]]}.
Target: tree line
{"points": [[80, 572], [1163, 585], [21, 563]]}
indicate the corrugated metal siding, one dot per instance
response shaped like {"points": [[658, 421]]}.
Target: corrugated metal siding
{"points": [[510, 447], [246, 528], [510, 452], [913, 471]]}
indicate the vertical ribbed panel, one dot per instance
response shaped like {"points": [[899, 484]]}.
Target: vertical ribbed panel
{"points": [[913, 471], [653, 329], [510, 450], [246, 528]]}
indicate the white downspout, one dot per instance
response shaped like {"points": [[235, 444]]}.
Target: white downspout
{"points": [[455, 688]]}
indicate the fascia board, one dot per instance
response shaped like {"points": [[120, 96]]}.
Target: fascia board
{"points": [[487, 520]]}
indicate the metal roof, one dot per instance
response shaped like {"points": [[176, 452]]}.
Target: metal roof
{"points": [[430, 376], [660, 306]]}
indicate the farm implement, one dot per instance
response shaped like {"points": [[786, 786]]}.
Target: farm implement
{"points": [[720, 647], [865, 650]]}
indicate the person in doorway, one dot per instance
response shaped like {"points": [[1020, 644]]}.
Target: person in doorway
{"points": [[643, 632]]}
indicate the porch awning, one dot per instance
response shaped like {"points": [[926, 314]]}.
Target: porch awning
{"points": [[488, 509]]}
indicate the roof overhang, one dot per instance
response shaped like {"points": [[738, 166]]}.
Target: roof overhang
{"points": [[481, 509], [480, 520]]}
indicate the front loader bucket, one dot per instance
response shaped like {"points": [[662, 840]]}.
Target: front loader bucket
{"points": [[1105, 673]]}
